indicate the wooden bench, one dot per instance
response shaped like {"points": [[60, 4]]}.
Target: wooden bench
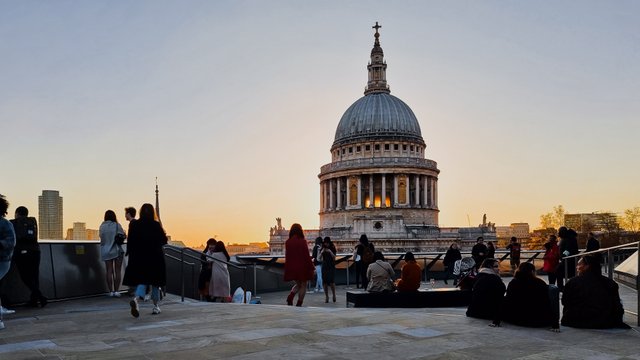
{"points": [[445, 297]]}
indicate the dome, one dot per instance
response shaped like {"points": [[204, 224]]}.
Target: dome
{"points": [[378, 116]]}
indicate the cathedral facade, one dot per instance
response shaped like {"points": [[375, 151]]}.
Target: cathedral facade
{"points": [[379, 181]]}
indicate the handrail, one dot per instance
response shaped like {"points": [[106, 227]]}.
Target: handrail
{"points": [[181, 250]]}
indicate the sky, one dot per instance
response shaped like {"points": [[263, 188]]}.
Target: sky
{"points": [[233, 105]]}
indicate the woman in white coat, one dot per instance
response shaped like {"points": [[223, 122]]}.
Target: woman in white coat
{"points": [[111, 252]]}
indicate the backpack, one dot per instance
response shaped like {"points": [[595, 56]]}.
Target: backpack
{"points": [[367, 255], [26, 229]]}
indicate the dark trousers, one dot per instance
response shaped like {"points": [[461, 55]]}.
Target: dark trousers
{"points": [[552, 278], [28, 265], [361, 274]]}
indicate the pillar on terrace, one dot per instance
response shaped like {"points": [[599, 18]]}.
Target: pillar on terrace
{"points": [[331, 202], [383, 195], [395, 190], [371, 193], [338, 195], [417, 195], [360, 192]]}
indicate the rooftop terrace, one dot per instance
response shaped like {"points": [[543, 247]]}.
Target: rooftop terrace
{"points": [[102, 328]]}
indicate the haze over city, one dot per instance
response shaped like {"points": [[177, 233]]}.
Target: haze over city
{"points": [[233, 106]]}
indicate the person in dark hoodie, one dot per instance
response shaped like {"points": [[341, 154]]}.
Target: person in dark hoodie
{"points": [[568, 246], [528, 300], [487, 293], [26, 255], [591, 300]]}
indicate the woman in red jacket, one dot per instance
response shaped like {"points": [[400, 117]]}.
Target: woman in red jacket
{"points": [[297, 266]]}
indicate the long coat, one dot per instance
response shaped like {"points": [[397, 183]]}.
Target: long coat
{"points": [[146, 257], [486, 297], [297, 264], [527, 303], [592, 301]]}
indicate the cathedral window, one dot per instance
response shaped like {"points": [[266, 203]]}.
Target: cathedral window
{"points": [[404, 147], [358, 148], [367, 147], [377, 147], [411, 148], [386, 147], [395, 147], [350, 149]]}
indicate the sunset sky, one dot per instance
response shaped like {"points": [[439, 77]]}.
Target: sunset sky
{"points": [[233, 105]]}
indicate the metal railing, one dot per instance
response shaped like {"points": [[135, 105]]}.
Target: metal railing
{"points": [[198, 259]]}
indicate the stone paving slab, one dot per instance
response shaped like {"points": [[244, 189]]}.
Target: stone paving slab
{"points": [[102, 328]]}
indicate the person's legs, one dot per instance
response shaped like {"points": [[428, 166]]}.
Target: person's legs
{"points": [[318, 278], [326, 293], [292, 294], [109, 275], [333, 291], [552, 278], [4, 269], [554, 299], [363, 276], [358, 266], [117, 274], [302, 291], [155, 297]]}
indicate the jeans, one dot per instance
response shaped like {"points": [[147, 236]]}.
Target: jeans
{"points": [[141, 290], [319, 277]]}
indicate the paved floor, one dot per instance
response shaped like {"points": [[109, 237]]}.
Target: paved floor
{"points": [[102, 328]]}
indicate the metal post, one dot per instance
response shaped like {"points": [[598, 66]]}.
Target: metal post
{"points": [[182, 273], [638, 284], [610, 264], [348, 284], [426, 277], [255, 288]]}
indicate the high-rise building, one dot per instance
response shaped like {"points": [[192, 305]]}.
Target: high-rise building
{"points": [[50, 215]]}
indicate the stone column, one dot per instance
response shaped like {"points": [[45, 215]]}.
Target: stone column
{"points": [[395, 190], [383, 195], [435, 193], [407, 190], [432, 197], [322, 196], [425, 193], [331, 202], [348, 202], [429, 191], [371, 193], [338, 195], [360, 192], [417, 196]]}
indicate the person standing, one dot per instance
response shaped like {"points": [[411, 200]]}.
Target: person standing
{"points": [[363, 255], [491, 250], [593, 244], [219, 286], [450, 258], [7, 244], [298, 266], [204, 279], [26, 254], [146, 258], [514, 253], [111, 252], [318, 264], [551, 259], [327, 257], [479, 251], [568, 246]]}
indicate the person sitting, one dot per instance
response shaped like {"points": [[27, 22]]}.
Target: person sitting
{"points": [[411, 274], [590, 299], [528, 302], [487, 293], [380, 274]]}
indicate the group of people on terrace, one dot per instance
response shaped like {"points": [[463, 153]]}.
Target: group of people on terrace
{"points": [[214, 283], [590, 300]]}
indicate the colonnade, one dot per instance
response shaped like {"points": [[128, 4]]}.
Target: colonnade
{"points": [[379, 191]]}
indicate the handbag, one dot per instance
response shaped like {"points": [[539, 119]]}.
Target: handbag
{"points": [[119, 237]]}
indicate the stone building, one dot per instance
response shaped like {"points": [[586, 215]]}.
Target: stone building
{"points": [[379, 182]]}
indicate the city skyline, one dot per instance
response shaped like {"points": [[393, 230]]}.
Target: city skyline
{"points": [[233, 106]]}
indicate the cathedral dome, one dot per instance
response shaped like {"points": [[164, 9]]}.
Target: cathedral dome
{"points": [[378, 116]]}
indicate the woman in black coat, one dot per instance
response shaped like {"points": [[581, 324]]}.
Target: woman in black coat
{"points": [[488, 293], [146, 258], [527, 302]]}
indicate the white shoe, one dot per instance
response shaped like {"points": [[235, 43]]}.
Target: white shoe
{"points": [[6, 311], [116, 294], [147, 297], [156, 310]]}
